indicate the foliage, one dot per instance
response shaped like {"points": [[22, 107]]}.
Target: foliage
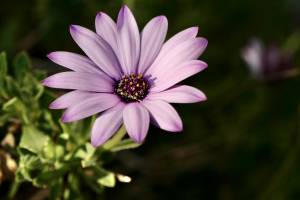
{"points": [[50, 154]]}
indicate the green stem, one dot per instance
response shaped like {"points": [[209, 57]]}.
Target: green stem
{"points": [[116, 139], [13, 190]]}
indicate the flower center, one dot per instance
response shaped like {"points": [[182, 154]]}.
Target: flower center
{"points": [[132, 87]]}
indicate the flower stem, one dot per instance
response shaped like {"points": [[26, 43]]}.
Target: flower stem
{"points": [[116, 138], [13, 190]]}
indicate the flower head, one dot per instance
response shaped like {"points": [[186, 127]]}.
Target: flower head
{"points": [[268, 63], [127, 76]]}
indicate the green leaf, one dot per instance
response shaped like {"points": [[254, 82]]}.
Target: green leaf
{"points": [[48, 176], [12, 87], [17, 107], [109, 180], [86, 155], [56, 190], [125, 144], [33, 139], [3, 73], [28, 162], [115, 139], [3, 65], [21, 66], [9, 103]]}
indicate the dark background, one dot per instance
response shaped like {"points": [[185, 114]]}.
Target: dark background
{"points": [[243, 143]]}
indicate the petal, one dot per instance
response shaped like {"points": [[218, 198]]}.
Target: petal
{"points": [[152, 38], [107, 124], [107, 29], [74, 61], [69, 99], [163, 115], [174, 41], [179, 94], [98, 102], [80, 81], [253, 56], [179, 38], [129, 40], [179, 73], [185, 51], [97, 49], [136, 120]]}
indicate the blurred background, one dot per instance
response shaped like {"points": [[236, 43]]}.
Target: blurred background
{"points": [[244, 142]]}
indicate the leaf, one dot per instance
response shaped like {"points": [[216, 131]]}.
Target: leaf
{"points": [[33, 139], [28, 162], [86, 155], [109, 180], [21, 66], [47, 176], [17, 107], [12, 87], [3, 65], [9, 103], [3, 74], [125, 144], [40, 91]]}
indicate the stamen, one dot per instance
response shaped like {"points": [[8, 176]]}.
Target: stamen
{"points": [[132, 87]]}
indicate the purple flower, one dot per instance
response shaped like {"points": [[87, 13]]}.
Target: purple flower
{"points": [[130, 77], [268, 63]]}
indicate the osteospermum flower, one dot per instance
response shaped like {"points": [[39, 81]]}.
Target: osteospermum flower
{"points": [[268, 63], [127, 76]]}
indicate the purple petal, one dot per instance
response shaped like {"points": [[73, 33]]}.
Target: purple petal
{"points": [[185, 51], [94, 104], [129, 40], [107, 29], [174, 41], [253, 56], [180, 37], [163, 115], [69, 99], [179, 94], [136, 119], [107, 124], [74, 62], [97, 49], [177, 74], [152, 39], [80, 81]]}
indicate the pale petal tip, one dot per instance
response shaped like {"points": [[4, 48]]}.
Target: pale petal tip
{"points": [[161, 18], [50, 55], [138, 140], [64, 119], [94, 143], [204, 42], [178, 128], [99, 15], [73, 29], [124, 7], [202, 97], [45, 82], [53, 56], [204, 65], [193, 31], [54, 106]]}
